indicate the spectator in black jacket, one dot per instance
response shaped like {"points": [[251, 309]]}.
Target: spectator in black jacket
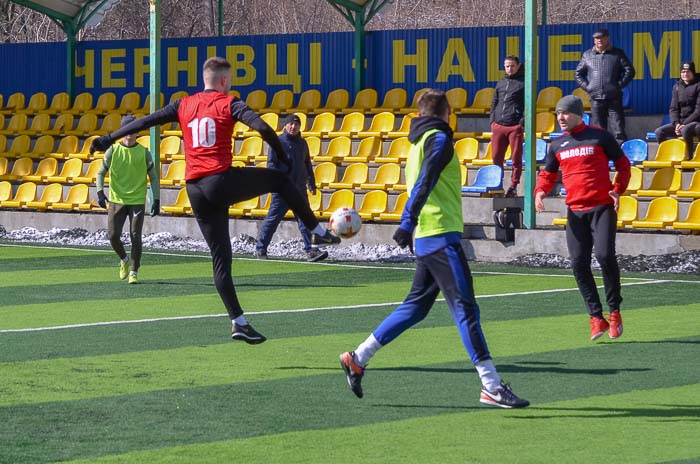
{"points": [[301, 174], [603, 72], [684, 110], [507, 113]]}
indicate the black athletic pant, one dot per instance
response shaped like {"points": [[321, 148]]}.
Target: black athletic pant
{"points": [[584, 229], [116, 217], [211, 197], [609, 112]]}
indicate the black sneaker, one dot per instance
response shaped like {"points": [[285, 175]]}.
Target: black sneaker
{"points": [[247, 334], [503, 397], [315, 255], [353, 372], [325, 239], [512, 192]]}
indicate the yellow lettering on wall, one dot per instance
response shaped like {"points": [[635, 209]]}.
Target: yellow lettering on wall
{"points": [[315, 63], [109, 67], [401, 59], [211, 51], [292, 76], [241, 58], [462, 67], [494, 59], [87, 70], [696, 48], [176, 66], [557, 56], [142, 66], [644, 48]]}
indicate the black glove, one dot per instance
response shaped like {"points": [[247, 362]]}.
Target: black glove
{"points": [[403, 238], [101, 199], [312, 189], [155, 208], [101, 143]]}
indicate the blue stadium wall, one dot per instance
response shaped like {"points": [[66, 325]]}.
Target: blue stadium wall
{"points": [[443, 58]]}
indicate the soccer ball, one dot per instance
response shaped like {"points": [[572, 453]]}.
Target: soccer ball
{"points": [[345, 222]]}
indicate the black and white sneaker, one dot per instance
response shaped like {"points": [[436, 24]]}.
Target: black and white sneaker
{"points": [[326, 239], [315, 255], [247, 334], [353, 372], [503, 397]]}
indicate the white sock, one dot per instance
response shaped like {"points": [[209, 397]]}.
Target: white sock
{"points": [[240, 320], [133, 273], [488, 375], [125, 260], [366, 350]]}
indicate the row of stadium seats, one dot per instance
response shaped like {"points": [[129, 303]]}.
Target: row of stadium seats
{"points": [[664, 182], [661, 213], [52, 198]]}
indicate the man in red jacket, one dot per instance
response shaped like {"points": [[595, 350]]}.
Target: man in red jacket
{"points": [[582, 153]]}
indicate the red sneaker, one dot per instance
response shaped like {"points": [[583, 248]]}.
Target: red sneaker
{"points": [[615, 325], [598, 327]]}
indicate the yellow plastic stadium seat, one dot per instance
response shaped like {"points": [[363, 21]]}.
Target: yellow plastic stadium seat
{"points": [[351, 125], [544, 124], [62, 123], [20, 168], [692, 219], [144, 141], [171, 149], [46, 167], [272, 120], [71, 168], [256, 100], [314, 144], [52, 193], [5, 191], [3, 166], [365, 100], [130, 103], [662, 212], [175, 174], [59, 104], [337, 149], [314, 204], [547, 99], [90, 175], [395, 213], [670, 153], [488, 157], [354, 175], [309, 100], [261, 210], [368, 149], [635, 183], [323, 124], [25, 192], [336, 101], [372, 205], [182, 204], [146, 107], [37, 102], [42, 146], [177, 96], [664, 182], [84, 152], [482, 102], [413, 107], [694, 162], [40, 125], [382, 124], [67, 145], [386, 176], [339, 199], [110, 123], [81, 104], [252, 147], [463, 175], [398, 151], [87, 124], [404, 128], [325, 173], [627, 211], [17, 123], [282, 100], [457, 98], [394, 101], [3, 144], [243, 208], [467, 150], [693, 190], [77, 198], [583, 95], [106, 103], [302, 121], [560, 221], [15, 103], [19, 147]]}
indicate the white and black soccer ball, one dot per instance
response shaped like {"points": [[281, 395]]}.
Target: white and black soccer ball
{"points": [[345, 222]]}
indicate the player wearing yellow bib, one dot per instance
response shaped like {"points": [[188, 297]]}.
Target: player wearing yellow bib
{"points": [[433, 214], [128, 164]]}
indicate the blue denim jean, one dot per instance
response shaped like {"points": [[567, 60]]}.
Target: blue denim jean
{"points": [[278, 208]]}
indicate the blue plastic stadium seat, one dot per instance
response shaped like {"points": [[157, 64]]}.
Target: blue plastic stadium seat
{"points": [[635, 150], [540, 152], [488, 179]]}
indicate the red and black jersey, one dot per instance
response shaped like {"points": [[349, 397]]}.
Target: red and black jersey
{"points": [[207, 129], [583, 156]]}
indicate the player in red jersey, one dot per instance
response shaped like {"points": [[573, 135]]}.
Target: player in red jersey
{"points": [[582, 153], [207, 119]]}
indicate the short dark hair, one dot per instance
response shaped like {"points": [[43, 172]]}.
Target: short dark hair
{"points": [[512, 58], [432, 102], [216, 64]]}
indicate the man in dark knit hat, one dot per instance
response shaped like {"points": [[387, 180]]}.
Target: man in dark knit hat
{"points": [[582, 153], [684, 110]]}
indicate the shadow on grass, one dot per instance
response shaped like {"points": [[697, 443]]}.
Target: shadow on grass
{"points": [[666, 412]]}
